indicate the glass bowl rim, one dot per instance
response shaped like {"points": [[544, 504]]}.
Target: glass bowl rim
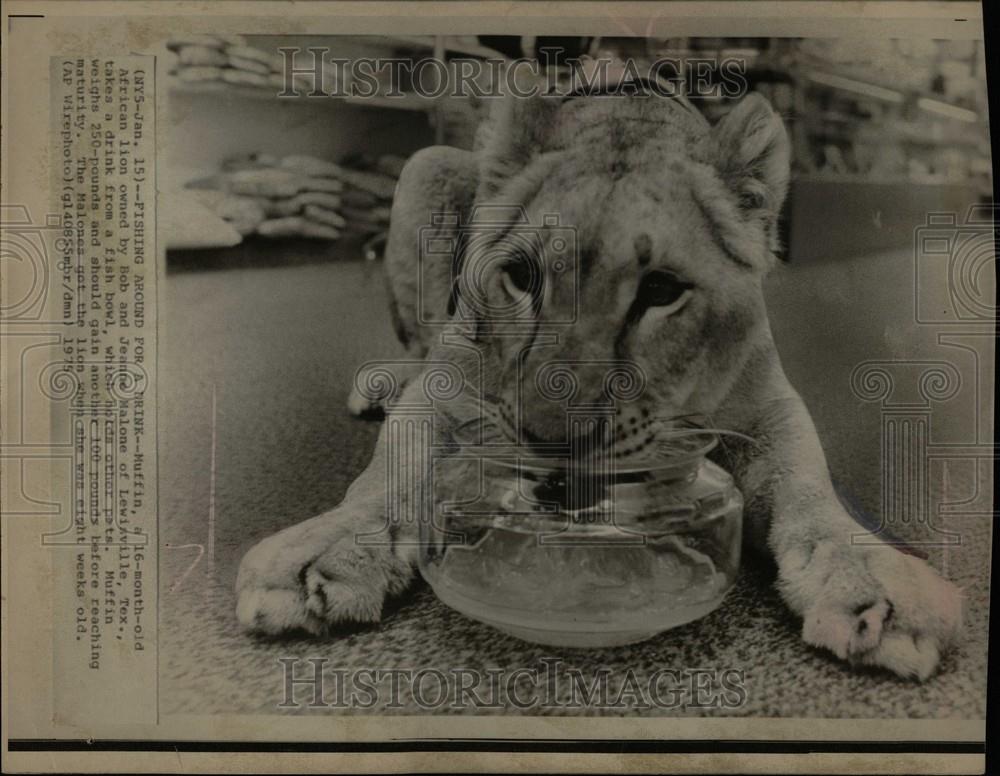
{"points": [[531, 460]]}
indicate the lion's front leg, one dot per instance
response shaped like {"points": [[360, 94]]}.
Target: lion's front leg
{"points": [[336, 568], [858, 597]]}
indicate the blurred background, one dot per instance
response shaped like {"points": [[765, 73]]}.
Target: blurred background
{"points": [[883, 132]]}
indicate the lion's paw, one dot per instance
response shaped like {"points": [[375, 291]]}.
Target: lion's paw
{"points": [[313, 577], [875, 606]]}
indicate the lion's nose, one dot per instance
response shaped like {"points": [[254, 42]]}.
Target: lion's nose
{"points": [[580, 489], [581, 436]]}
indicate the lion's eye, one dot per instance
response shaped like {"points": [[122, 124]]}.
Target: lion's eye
{"points": [[663, 289], [522, 275], [519, 273]]}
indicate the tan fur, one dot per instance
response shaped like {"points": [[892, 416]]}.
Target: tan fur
{"points": [[637, 177]]}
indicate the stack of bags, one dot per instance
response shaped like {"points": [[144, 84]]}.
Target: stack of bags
{"points": [[258, 195], [227, 59], [369, 186], [301, 196]]}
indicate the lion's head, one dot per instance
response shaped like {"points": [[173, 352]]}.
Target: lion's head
{"points": [[666, 227]]}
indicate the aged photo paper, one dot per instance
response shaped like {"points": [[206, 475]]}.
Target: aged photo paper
{"points": [[438, 386]]}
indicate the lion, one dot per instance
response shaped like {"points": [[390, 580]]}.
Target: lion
{"points": [[676, 227]]}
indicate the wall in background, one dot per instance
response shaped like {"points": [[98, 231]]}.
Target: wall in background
{"points": [[838, 219], [206, 127]]}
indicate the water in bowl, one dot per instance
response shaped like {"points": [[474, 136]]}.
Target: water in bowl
{"points": [[653, 549]]}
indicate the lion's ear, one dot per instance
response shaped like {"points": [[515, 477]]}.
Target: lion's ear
{"points": [[754, 158]]}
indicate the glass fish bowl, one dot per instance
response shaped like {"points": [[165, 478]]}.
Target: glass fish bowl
{"points": [[587, 557]]}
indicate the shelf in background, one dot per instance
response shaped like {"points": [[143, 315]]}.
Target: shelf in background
{"points": [[424, 42], [856, 80], [262, 252], [450, 45], [408, 102]]}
